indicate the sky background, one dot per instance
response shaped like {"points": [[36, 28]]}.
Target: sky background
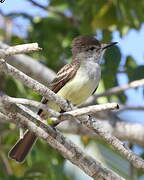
{"points": [[131, 44]]}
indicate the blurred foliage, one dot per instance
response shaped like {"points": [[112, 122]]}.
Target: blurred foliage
{"points": [[54, 33]]}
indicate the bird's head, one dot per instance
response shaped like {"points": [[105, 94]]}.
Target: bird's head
{"points": [[87, 47]]}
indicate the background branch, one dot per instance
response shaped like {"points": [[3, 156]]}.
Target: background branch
{"points": [[5, 163], [115, 90], [129, 107]]}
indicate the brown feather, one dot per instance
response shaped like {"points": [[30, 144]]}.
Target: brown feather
{"points": [[82, 43], [22, 147], [64, 75]]}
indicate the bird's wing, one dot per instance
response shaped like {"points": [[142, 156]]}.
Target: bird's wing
{"points": [[63, 76]]}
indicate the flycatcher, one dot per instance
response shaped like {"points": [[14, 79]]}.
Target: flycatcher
{"points": [[75, 82]]}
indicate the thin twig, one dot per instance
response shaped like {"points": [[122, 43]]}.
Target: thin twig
{"points": [[21, 132], [52, 10], [92, 109], [3, 118]]}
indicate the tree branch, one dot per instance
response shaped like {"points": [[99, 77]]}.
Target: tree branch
{"points": [[19, 49]]}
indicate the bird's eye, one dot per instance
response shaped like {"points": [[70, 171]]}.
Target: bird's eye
{"points": [[92, 48]]}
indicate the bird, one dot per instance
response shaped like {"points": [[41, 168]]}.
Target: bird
{"points": [[74, 82]]}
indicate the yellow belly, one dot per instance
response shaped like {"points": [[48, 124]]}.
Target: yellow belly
{"points": [[77, 92]]}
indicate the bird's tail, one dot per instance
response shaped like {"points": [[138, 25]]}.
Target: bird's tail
{"points": [[20, 150]]}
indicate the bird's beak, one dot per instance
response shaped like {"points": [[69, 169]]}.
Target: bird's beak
{"points": [[105, 46]]}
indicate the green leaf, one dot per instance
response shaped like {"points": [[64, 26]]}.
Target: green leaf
{"points": [[138, 73], [130, 62], [110, 66]]}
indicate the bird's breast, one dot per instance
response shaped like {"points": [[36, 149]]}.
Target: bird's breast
{"points": [[82, 85]]}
